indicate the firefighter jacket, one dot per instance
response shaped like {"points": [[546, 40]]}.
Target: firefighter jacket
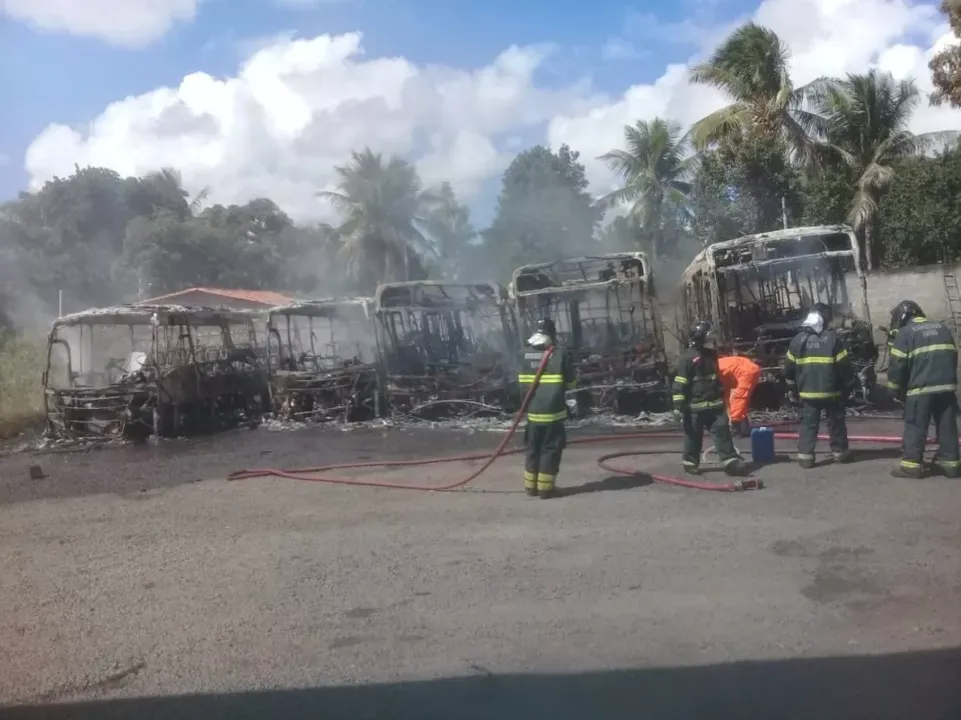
{"points": [[549, 402], [923, 359], [697, 385], [817, 366], [739, 377]]}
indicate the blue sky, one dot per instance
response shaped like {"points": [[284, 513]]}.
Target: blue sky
{"points": [[278, 130], [68, 79]]}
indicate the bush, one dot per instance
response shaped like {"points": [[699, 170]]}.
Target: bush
{"points": [[21, 389]]}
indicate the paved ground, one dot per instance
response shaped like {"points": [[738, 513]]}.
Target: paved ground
{"points": [[136, 573]]}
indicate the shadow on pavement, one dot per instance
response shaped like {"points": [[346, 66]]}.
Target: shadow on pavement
{"points": [[911, 686], [614, 482]]}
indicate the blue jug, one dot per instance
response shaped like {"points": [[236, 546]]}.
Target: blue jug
{"points": [[762, 445]]}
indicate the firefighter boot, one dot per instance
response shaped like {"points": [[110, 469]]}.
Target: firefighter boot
{"points": [[805, 461], [910, 470], [736, 468], [530, 483], [691, 468], [842, 457], [545, 486]]}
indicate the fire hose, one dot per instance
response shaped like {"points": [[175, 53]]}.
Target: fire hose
{"points": [[319, 474]]}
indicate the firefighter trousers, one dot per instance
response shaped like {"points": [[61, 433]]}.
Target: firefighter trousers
{"points": [[545, 445], [811, 423], [695, 423], [919, 410]]}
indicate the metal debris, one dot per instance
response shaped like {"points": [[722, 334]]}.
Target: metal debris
{"points": [[139, 370], [447, 349], [606, 315], [757, 289], [324, 361]]}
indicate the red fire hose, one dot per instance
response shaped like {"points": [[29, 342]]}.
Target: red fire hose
{"points": [[318, 474]]}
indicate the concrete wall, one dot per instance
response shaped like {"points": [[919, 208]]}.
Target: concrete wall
{"points": [[924, 284]]}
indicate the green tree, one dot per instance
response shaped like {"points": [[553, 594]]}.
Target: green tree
{"points": [[654, 167], [743, 189], [543, 213], [448, 225], [867, 119], [945, 66], [921, 213], [383, 206], [752, 68]]}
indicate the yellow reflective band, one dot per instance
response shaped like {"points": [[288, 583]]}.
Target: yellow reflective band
{"points": [[546, 379], [677, 398], [949, 463], [680, 379], [893, 385], [790, 382], [545, 481], [945, 347], [791, 356], [706, 405], [910, 464], [840, 356], [819, 395], [897, 353], [546, 417], [803, 456], [932, 389], [688, 463], [815, 360]]}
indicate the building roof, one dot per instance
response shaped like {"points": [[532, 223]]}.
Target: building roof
{"points": [[267, 298]]}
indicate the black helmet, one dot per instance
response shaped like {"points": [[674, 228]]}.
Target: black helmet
{"points": [[904, 312], [546, 326], [698, 334]]}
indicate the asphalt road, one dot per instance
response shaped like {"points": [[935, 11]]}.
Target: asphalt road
{"points": [[136, 582]]}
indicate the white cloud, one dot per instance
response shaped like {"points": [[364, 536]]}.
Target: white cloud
{"points": [[296, 108], [826, 37], [128, 23]]}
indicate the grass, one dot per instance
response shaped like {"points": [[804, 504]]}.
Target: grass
{"points": [[21, 390]]}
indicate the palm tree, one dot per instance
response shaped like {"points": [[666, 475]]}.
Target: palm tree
{"points": [[751, 67], [382, 205], [867, 118], [654, 168]]}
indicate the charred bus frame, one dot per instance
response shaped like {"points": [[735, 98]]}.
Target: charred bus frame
{"points": [[606, 314], [324, 360], [446, 348], [757, 290], [137, 370]]}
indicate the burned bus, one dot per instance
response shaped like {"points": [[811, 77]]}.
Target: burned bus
{"points": [[137, 370], [323, 361], [447, 349], [757, 289], [606, 315]]}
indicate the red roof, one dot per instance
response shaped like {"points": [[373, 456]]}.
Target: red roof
{"points": [[264, 297]]}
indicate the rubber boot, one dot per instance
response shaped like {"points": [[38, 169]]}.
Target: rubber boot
{"points": [[736, 469], [902, 472], [531, 492], [842, 457], [547, 494], [806, 463], [692, 469]]}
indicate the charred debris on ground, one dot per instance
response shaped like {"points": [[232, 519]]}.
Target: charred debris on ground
{"points": [[436, 351], [138, 370]]}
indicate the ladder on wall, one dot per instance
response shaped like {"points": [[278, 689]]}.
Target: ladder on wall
{"points": [[953, 294]]}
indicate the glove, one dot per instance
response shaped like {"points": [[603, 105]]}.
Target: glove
{"points": [[793, 398], [572, 408]]}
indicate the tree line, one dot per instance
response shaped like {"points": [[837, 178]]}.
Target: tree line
{"points": [[835, 150]]}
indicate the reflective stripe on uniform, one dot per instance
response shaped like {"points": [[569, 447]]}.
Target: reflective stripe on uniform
{"points": [[547, 417], [677, 398], [910, 464], [682, 380], [804, 456], [819, 395], [707, 405], [940, 347], [545, 481], [932, 389], [546, 379]]}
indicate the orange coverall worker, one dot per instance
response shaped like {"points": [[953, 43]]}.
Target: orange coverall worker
{"points": [[739, 377]]}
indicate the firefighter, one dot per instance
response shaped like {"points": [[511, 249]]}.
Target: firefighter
{"points": [[547, 410], [739, 378], [923, 372], [819, 377], [699, 400]]}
